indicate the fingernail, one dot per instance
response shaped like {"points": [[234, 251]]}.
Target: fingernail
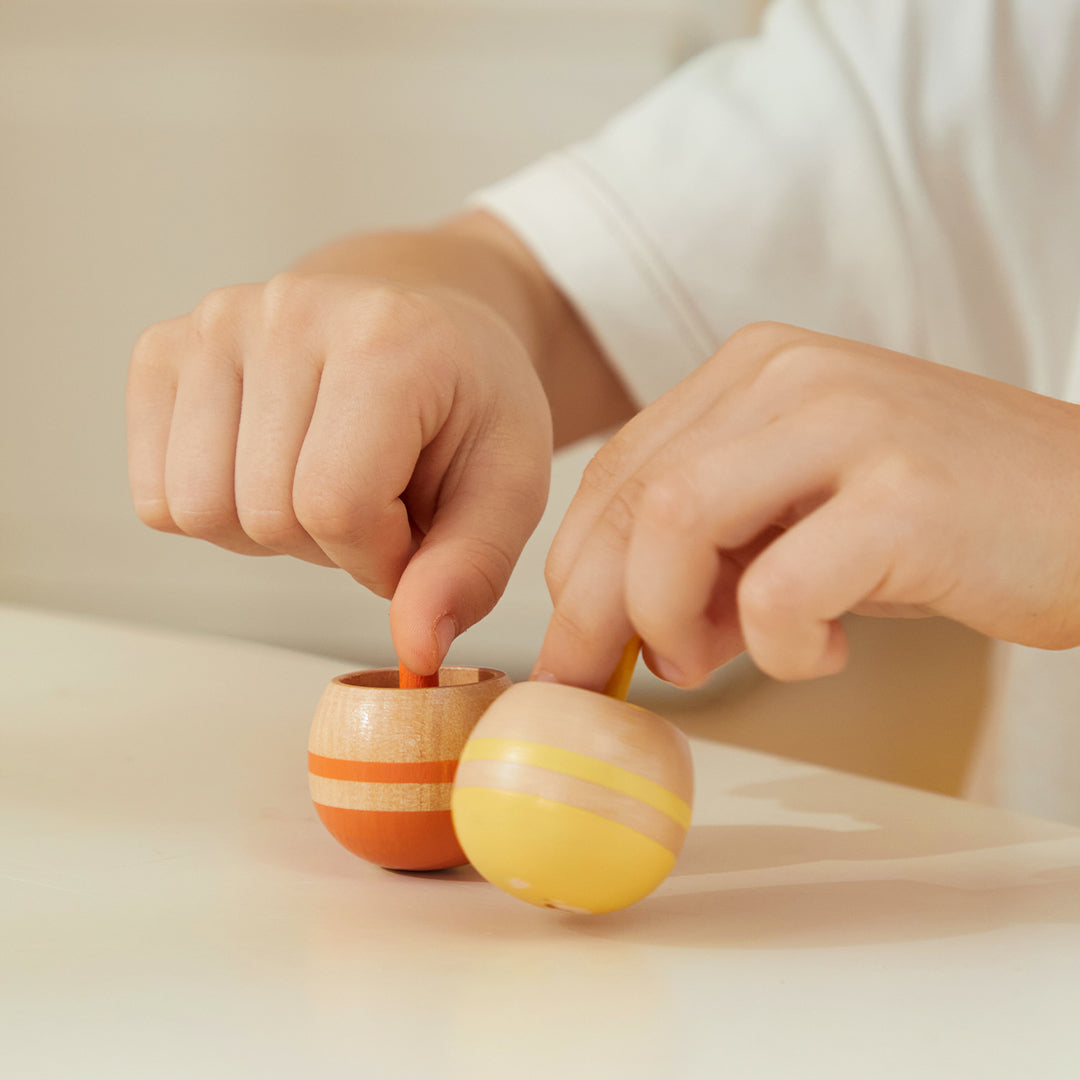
{"points": [[445, 632], [542, 676], [668, 671]]}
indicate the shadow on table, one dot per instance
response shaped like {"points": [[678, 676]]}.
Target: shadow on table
{"points": [[454, 874], [933, 868]]}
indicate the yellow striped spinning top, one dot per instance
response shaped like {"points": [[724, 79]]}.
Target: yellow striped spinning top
{"points": [[570, 799]]}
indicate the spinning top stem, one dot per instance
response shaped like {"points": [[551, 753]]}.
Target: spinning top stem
{"points": [[409, 680], [618, 686]]}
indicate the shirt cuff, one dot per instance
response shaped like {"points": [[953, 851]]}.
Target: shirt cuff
{"points": [[606, 267]]}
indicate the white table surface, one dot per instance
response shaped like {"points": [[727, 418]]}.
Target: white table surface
{"points": [[171, 907]]}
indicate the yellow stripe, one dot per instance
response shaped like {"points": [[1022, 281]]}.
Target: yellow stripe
{"points": [[582, 767], [557, 787]]}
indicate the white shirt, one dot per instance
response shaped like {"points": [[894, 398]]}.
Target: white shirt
{"points": [[900, 172]]}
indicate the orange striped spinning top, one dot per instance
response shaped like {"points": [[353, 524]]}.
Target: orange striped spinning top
{"points": [[381, 762]]}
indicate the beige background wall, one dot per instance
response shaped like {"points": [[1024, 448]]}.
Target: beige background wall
{"points": [[154, 149]]}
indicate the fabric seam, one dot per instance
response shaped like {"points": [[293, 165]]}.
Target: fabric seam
{"points": [[650, 264]]}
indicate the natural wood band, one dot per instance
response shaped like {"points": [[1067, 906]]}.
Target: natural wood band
{"points": [[582, 766], [354, 795], [605, 802]]}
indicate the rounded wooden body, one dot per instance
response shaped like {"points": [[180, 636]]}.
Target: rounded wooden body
{"points": [[381, 761], [569, 799]]}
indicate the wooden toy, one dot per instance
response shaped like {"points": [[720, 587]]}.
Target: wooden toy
{"points": [[573, 800], [381, 760]]}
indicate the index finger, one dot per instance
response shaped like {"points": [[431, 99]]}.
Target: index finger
{"points": [[354, 465], [643, 437]]}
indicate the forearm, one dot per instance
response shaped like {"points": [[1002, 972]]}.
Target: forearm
{"points": [[477, 255]]}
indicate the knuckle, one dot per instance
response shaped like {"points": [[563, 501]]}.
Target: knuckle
{"points": [[830, 386], [784, 667], [763, 333], [490, 564], [151, 347], [912, 497], [911, 484], [155, 514], [799, 362], [389, 311], [326, 511], [604, 469], [556, 570], [622, 509], [287, 299], [766, 598], [667, 502], [275, 529], [215, 315], [571, 627], [901, 474], [203, 521]]}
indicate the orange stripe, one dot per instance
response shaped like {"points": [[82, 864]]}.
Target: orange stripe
{"points": [[383, 772]]}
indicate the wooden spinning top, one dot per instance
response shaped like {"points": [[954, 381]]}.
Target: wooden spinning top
{"points": [[381, 760], [574, 800]]}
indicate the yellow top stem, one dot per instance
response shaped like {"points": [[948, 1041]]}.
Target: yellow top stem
{"points": [[618, 686]]}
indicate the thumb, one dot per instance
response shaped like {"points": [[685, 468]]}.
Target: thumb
{"points": [[462, 567]]}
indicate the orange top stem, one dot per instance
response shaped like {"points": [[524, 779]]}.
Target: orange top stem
{"points": [[409, 680]]}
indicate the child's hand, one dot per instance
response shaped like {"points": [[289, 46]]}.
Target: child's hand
{"points": [[796, 477], [346, 421]]}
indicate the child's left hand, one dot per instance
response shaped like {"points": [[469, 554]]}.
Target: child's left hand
{"points": [[795, 477]]}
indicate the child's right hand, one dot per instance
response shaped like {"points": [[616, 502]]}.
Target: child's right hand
{"points": [[349, 422]]}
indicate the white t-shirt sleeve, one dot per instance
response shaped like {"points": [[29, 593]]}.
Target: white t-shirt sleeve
{"points": [[853, 169]]}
